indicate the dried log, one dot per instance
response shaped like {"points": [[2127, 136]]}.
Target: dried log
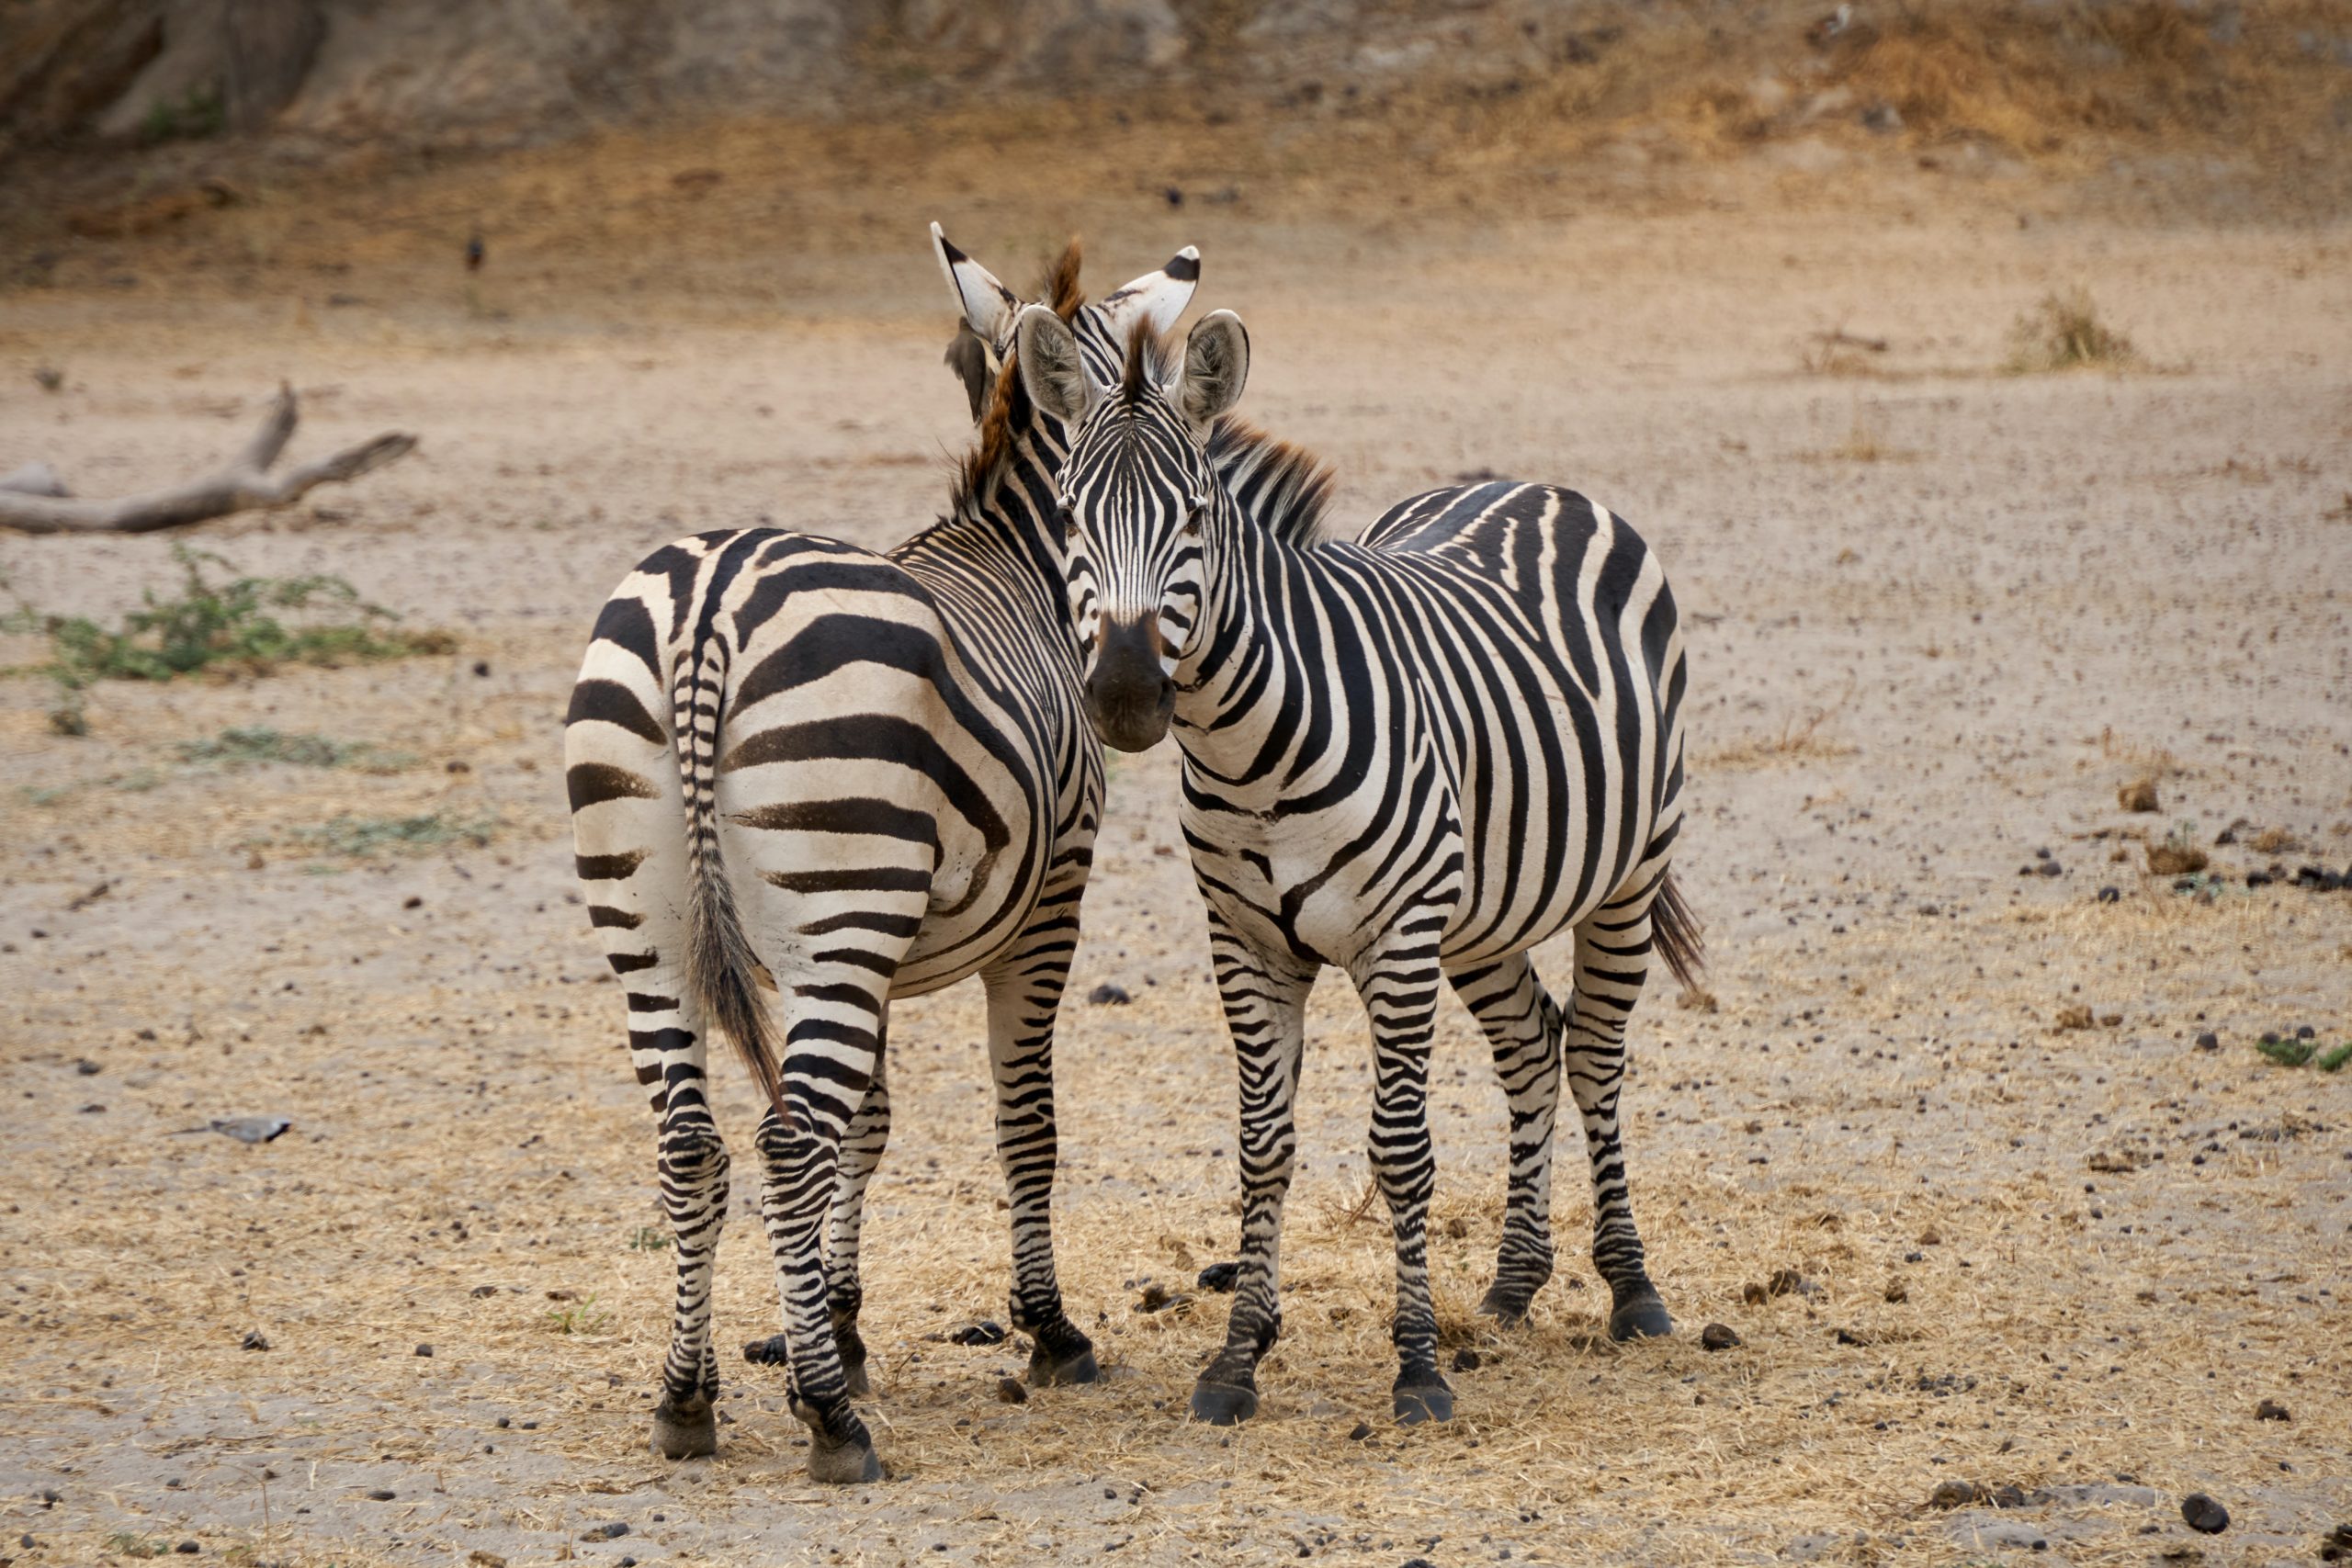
{"points": [[243, 485]]}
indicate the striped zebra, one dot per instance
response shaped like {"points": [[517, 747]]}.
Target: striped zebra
{"points": [[1414, 756], [837, 777]]}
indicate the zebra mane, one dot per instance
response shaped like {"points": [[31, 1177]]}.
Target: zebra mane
{"points": [[1284, 489], [1007, 410]]}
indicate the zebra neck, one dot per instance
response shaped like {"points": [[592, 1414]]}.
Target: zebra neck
{"points": [[1003, 531]]}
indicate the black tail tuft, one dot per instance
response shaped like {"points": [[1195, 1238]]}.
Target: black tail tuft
{"points": [[1675, 933]]}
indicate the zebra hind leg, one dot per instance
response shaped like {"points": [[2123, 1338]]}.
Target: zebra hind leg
{"points": [[861, 1147], [1613, 948], [1512, 1006]]}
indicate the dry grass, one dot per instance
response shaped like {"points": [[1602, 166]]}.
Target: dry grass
{"points": [[1805, 737], [2065, 332]]}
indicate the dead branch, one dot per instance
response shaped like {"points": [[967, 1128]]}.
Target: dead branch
{"points": [[33, 501], [1841, 338]]}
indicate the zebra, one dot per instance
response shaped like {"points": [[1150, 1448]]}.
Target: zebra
{"points": [[887, 759], [1414, 756], [838, 777]]}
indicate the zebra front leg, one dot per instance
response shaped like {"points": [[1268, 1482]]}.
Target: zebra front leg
{"points": [[1265, 1009], [1510, 1005], [1400, 992], [1024, 997], [862, 1146], [1612, 960]]}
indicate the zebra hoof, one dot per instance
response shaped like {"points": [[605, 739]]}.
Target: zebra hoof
{"points": [[1046, 1372], [849, 1463], [1420, 1397], [1222, 1403], [1639, 1315], [1506, 1304], [686, 1431]]}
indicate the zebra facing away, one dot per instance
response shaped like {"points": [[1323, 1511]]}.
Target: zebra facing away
{"points": [[802, 767], [1414, 756]]}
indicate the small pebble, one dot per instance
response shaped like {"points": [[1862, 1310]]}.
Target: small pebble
{"points": [[2203, 1515], [2208, 1041], [505, 1422], [2271, 1410], [1106, 994], [1953, 1495], [188, 1548], [381, 1494], [2109, 895], [1718, 1336], [255, 1339], [424, 1350], [1010, 1391], [1359, 1431], [611, 1530], [1465, 1360]]}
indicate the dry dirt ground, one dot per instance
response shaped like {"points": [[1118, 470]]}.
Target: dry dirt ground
{"points": [[1938, 616]]}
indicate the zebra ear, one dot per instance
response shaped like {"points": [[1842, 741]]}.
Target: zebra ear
{"points": [[1159, 297], [1216, 366], [1051, 368], [989, 306]]}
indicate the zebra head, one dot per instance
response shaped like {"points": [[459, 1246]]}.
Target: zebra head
{"points": [[1137, 494], [983, 342]]}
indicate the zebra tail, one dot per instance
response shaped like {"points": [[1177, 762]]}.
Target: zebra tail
{"points": [[722, 970], [1675, 931]]}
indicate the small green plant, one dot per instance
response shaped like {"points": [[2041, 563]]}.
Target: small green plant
{"points": [[647, 1238], [357, 837], [195, 115], [231, 625], [2290, 1052], [581, 1316], [247, 747], [2065, 332], [122, 1543]]}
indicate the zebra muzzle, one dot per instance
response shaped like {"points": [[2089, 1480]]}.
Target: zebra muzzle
{"points": [[1128, 694]]}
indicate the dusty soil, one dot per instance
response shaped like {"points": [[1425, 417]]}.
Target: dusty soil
{"points": [[1939, 615]]}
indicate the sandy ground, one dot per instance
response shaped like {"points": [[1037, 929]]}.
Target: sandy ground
{"points": [[1938, 614]]}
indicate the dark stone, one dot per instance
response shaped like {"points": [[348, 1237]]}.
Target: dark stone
{"points": [[1010, 1391], [381, 1494], [1107, 995], [188, 1548], [1174, 195], [2271, 1410], [255, 1339], [1787, 1282], [425, 1351], [2203, 1515], [1220, 1277], [2208, 1041], [482, 666], [1359, 1431], [86, 1067], [985, 1332], [2111, 894], [2051, 868], [1953, 1495], [1465, 1360], [1718, 1336], [611, 1530]]}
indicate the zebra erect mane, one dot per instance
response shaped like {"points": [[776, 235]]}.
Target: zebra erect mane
{"points": [[1281, 487], [1009, 409]]}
